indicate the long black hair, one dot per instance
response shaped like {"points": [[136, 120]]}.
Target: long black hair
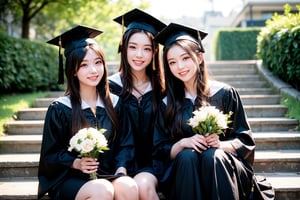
{"points": [[73, 61], [155, 75], [175, 91]]}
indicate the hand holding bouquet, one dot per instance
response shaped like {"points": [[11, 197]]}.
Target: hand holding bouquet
{"points": [[208, 120], [89, 142]]}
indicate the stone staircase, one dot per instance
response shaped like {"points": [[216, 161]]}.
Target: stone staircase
{"points": [[278, 142]]}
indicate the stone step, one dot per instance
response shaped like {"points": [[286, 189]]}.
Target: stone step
{"points": [[265, 124], [20, 144], [19, 165], [19, 188], [277, 140], [270, 99], [286, 185], [252, 111], [246, 99], [265, 110], [267, 161], [264, 141], [52, 94], [254, 91], [243, 89], [43, 102], [32, 113], [246, 84], [32, 127], [214, 72], [24, 127], [228, 78], [26, 164], [238, 64]]}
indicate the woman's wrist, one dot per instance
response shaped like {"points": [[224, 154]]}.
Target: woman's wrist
{"points": [[76, 163], [121, 171]]}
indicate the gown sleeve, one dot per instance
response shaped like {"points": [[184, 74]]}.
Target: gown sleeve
{"points": [[239, 132], [55, 159], [125, 154], [162, 144], [125, 143]]}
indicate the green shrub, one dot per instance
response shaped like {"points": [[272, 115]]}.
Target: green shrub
{"points": [[27, 66], [235, 44], [279, 46]]}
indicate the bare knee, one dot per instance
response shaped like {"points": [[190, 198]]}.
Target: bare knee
{"points": [[96, 189], [125, 188], [147, 186]]}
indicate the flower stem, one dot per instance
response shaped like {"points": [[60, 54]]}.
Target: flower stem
{"points": [[93, 176]]}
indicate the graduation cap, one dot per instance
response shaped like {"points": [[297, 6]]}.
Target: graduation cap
{"points": [[174, 32], [77, 37], [138, 19]]}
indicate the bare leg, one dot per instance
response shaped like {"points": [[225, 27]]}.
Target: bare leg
{"points": [[147, 186], [96, 189], [125, 188]]}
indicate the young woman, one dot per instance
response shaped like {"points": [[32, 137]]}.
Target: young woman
{"points": [[87, 103], [192, 166], [139, 84]]}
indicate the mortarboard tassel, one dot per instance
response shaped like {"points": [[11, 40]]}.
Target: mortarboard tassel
{"points": [[121, 42], [153, 62], [200, 41], [60, 65]]}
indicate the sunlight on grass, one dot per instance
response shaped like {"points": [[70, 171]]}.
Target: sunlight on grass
{"points": [[293, 107], [10, 104]]}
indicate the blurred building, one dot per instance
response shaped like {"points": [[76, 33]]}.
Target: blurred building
{"points": [[256, 12], [250, 13]]}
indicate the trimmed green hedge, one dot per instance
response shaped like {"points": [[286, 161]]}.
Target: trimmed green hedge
{"points": [[235, 44], [27, 66], [279, 46]]}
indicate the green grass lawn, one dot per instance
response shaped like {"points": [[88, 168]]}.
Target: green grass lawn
{"points": [[11, 103]]}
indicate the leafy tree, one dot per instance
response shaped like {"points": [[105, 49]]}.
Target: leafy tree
{"points": [[26, 10], [48, 18], [94, 13]]}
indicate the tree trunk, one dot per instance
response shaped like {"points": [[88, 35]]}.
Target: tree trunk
{"points": [[25, 26]]}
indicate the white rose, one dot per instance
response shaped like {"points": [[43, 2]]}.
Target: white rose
{"points": [[221, 121], [101, 140], [87, 145]]}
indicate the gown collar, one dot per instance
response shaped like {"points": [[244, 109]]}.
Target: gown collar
{"points": [[214, 87], [67, 101], [117, 79]]}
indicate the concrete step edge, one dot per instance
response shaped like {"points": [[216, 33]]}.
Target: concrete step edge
{"points": [[27, 187], [284, 181], [280, 155], [276, 106], [280, 120], [283, 135], [260, 155]]}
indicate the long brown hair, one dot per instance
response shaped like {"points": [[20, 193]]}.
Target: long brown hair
{"points": [[175, 88], [73, 61]]}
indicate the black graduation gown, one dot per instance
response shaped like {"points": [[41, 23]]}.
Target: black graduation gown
{"points": [[205, 176], [55, 159], [138, 120]]}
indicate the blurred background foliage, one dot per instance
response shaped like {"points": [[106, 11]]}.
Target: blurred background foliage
{"points": [[278, 45], [44, 19]]}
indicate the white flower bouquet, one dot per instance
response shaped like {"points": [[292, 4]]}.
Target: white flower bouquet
{"points": [[208, 120], [89, 142]]}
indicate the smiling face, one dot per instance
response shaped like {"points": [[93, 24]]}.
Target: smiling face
{"points": [[91, 70], [139, 51], [182, 65]]}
